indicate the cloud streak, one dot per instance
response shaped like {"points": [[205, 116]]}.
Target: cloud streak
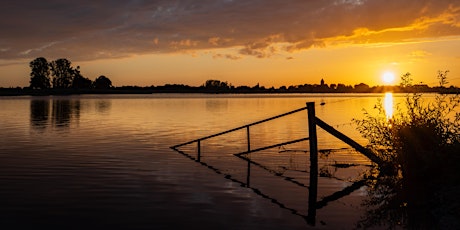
{"points": [[88, 30]]}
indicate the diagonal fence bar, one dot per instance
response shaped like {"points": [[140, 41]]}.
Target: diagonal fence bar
{"points": [[313, 122], [366, 152]]}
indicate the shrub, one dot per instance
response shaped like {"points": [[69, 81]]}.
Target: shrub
{"points": [[422, 140], [418, 137]]}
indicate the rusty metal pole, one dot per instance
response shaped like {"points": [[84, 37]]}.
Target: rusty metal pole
{"points": [[313, 187]]}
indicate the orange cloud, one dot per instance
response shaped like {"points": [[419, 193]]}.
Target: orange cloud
{"points": [[183, 44], [118, 28], [217, 41], [227, 56]]}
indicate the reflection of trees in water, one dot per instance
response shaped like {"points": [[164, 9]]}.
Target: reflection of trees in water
{"points": [[216, 104], [103, 106], [63, 112], [39, 112]]}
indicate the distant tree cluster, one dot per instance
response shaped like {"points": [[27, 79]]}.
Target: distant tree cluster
{"points": [[217, 86], [59, 74]]}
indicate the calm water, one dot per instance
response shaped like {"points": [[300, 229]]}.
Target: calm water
{"points": [[97, 161]]}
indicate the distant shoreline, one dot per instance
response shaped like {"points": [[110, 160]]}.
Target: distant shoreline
{"points": [[202, 90]]}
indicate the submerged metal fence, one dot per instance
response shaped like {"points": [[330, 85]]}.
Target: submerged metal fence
{"points": [[313, 122]]}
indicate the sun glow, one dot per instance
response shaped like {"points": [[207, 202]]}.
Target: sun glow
{"points": [[388, 77]]}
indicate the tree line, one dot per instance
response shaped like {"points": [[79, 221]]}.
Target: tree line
{"points": [[60, 74], [217, 86], [60, 77]]}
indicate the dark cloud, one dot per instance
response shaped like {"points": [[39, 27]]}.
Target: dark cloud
{"points": [[85, 30]]}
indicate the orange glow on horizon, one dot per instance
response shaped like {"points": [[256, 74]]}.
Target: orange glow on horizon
{"points": [[347, 65]]}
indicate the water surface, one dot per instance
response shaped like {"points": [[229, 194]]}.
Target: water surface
{"points": [[96, 161]]}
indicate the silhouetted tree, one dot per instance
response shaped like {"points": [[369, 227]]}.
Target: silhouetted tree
{"points": [[362, 88], [80, 82], [344, 88], [102, 82], [62, 73], [40, 74], [216, 86]]}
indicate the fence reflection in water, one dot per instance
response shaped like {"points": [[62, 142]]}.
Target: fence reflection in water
{"points": [[261, 169]]}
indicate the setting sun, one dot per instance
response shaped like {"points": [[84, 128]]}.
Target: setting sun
{"points": [[388, 77]]}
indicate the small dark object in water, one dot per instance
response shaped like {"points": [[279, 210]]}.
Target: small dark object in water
{"points": [[343, 165]]}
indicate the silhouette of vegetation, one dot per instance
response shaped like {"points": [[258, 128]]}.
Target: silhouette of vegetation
{"points": [[80, 82], [102, 82], [59, 77], [62, 72], [422, 140], [216, 86], [40, 74]]}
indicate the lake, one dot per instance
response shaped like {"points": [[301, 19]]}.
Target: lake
{"points": [[104, 161]]}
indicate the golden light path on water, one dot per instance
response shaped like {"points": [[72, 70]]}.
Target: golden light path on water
{"points": [[388, 105]]}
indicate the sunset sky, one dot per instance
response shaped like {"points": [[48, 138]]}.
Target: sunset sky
{"points": [[244, 42]]}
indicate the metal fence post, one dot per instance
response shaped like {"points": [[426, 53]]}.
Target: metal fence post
{"points": [[199, 151], [248, 175], [313, 187]]}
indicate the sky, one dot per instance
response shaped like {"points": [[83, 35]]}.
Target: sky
{"points": [[243, 42]]}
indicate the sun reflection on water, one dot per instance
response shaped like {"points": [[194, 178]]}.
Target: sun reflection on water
{"points": [[388, 105]]}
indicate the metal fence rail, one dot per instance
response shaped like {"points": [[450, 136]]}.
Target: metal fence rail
{"points": [[313, 122], [239, 128]]}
